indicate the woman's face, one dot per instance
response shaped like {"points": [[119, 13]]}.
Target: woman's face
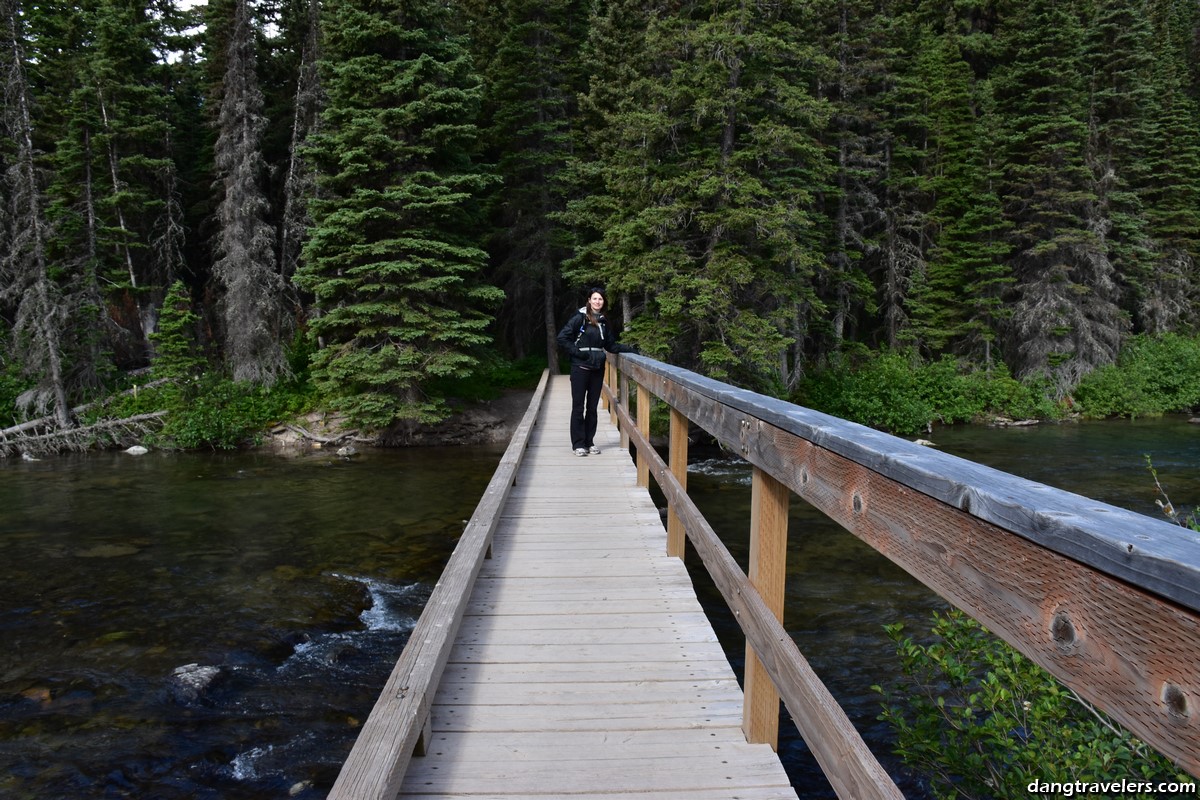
{"points": [[596, 302]]}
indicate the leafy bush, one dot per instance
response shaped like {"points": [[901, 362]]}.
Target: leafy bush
{"points": [[979, 720], [1153, 375], [211, 411], [12, 383], [490, 377], [218, 413], [876, 389], [898, 392]]}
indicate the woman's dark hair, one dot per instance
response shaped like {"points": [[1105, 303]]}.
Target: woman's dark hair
{"points": [[588, 306]]}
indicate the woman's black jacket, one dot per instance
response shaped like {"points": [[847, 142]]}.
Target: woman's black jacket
{"points": [[586, 343]]}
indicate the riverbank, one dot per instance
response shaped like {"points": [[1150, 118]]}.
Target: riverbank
{"points": [[472, 423]]}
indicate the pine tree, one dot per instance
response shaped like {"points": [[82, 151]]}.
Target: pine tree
{"points": [[125, 113], [607, 173], [956, 302], [1170, 192], [392, 258], [176, 352], [850, 33], [298, 183], [26, 281], [255, 314], [1120, 50], [1065, 318], [707, 167], [978, 240], [532, 82]]}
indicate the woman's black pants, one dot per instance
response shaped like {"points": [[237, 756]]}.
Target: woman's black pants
{"points": [[585, 397]]}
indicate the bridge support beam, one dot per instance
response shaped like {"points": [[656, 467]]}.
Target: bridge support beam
{"points": [[768, 574]]}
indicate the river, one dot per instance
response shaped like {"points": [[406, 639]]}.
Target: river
{"points": [[218, 625]]}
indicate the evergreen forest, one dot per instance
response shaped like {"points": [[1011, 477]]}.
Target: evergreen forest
{"points": [[387, 197]]}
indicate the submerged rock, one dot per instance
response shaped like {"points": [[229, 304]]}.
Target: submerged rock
{"points": [[108, 551], [190, 682]]}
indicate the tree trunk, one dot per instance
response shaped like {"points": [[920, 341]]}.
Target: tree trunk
{"points": [[38, 312]]}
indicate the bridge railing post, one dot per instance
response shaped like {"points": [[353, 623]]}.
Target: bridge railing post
{"points": [[643, 423], [768, 574], [610, 377], [623, 392], [677, 458]]}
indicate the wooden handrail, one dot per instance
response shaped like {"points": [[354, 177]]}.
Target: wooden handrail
{"points": [[376, 765], [1104, 599], [845, 759]]}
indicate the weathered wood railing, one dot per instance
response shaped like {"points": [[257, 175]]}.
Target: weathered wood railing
{"points": [[1105, 599], [398, 725]]}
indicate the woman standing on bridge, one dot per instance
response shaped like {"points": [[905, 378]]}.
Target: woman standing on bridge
{"points": [[586, 337]]}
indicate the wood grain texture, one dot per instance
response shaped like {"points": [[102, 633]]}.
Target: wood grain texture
{"points": [[845, 759], [380, 755], [768, 575], [584, 665], [677, 458], [1119, 643], [1145, 551]]}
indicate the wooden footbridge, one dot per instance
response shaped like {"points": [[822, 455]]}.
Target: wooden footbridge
{"points": [[563, 653]]}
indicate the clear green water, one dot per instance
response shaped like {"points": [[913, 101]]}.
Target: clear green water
{"points": [[296, 579], [296, 582]]}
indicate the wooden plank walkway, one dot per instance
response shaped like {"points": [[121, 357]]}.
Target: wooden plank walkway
{"points": [[585, 667]]}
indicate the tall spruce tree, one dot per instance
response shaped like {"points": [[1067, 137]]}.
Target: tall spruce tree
{"points": [[977, 241], [393, 258], [254, 298], [1171, 188], [27, 285], [1121, 87], [533, 80], [1065, 320], [956, 300], [127, 116], [850, 33], [706, 206], [298, 182], [90, 339], [606, 176]]}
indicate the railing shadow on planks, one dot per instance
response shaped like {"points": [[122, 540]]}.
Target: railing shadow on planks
{"points": [[1105, 599]]}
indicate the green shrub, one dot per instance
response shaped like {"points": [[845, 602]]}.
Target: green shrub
{"points": [[876, 389], [979, 720], [215, 412], [12, 384], [211, 411], [898, 392], [490, 377], [1153, 375]]}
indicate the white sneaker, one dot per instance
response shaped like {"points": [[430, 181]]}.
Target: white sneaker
{"points": [[581, 451], [594, 450]]}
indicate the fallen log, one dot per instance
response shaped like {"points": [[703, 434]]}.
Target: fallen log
{"points": [[307, 434], [41, 422], [111, 432]]}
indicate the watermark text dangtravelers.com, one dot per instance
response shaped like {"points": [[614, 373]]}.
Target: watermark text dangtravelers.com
{"points": [[1121, 788]]}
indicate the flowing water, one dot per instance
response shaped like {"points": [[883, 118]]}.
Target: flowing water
{"points": [[218, 625], [210, 626]]}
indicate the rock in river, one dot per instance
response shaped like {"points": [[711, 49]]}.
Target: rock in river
{"points": [[189, 682]]}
